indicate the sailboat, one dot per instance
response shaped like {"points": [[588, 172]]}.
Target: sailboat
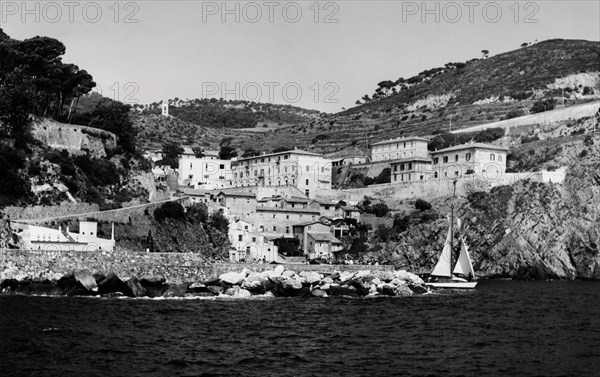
{"points": [[445, 276]]}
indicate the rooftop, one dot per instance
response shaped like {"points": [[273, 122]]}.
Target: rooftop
{"points": [[324, 237], [411, 159], [292, 151], [236, 191], [400, 140], [471, 146], [288, 209]]}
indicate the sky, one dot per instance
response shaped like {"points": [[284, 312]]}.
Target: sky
{"points": [[321, 55]]}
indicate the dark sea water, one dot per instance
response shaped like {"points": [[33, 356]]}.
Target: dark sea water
{"points": [[503, 328]]}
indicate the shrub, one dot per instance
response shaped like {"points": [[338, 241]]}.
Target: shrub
{"points": [[197, 212], [543, 105], [422, 205], [587, 91], [588, 141], [515, 113], [220, 222], [169, 210], [379, 209], [583, 153]]}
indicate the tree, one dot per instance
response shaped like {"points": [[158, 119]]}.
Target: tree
{"points": [[422, 205], [543, 105], [379, 209], [169, 210], [523, 45], [171, 152], [219, 221], [113, 116], [485, 53], [251, 152], [198, 152]]}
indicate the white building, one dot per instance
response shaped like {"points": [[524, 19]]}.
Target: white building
{"points": [[485, 160], [394, 149], [249, 245], [205, 173], [306, 171], [41, 238]]}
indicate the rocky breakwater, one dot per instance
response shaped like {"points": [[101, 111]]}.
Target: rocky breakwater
{"points": [[277, 282]]}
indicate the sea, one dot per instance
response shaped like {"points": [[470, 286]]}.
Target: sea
{"points": [[502, 328]]}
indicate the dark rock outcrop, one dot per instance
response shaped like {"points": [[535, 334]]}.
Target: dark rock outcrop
{"points": [[113, 284]]}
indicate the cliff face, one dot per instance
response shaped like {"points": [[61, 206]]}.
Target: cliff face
{"points": [[529, 230]]}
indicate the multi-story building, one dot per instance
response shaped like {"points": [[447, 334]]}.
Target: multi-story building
{"points": [[486, 160], [394, 149], [306, 171], [411, 169], [208, 172], [248, 245], [316, 239]]}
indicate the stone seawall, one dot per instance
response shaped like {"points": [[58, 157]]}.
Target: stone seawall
{"points": [[42, 212], [173, 267]]}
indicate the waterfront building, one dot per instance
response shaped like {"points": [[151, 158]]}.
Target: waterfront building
{"points": [[304, 170], [33, 237], [486, 160], [400, 148], [248, 245], [411, 169], [316, 240]]}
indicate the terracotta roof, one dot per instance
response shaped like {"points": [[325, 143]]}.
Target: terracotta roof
{"points": [[401, 139], [471, 146]]}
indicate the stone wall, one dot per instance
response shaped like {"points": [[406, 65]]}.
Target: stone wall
{"points": [[174, 267], [73, 138]]}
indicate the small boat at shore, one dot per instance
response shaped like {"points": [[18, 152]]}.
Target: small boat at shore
{"points": [[462, 276]]}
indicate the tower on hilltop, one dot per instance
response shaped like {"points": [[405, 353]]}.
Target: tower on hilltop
{"points": [[165, 108]]}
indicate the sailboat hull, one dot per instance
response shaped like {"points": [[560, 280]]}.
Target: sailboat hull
{"points": [[453, 285]]}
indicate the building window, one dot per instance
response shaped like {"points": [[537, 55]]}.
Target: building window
{"points": [[246, 227], [395, 167], [307, 182], [222, 166], [261, 228], [492, 157], [421, 178], [253, 239], [410, 166], [307, 168], [404, 145], [445, 159], [274, 216], [456, 158], [401, 167], [436, 160], [190, 165], [307, 192], [468, 157], [287, 217], [240, 237], [287, 229], [500, 158], [402, 177], [435, 175], [274, 228], [322, 169]]}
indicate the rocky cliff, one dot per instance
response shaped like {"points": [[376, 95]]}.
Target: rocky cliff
{"points": [[529, 230]]}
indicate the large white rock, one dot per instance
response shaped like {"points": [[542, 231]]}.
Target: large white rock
{"points": [[238, 292], [397, 281], [401, 274], [362, 273], [327, 280], [86, 279], [376, 281], [245, 272], [415, 279], [255, 277], [288, 274], [346, 275], [278, 270], [311, 276], [232, 278]]}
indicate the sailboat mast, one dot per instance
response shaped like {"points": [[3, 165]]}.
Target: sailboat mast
{"points": [[451, 237]]}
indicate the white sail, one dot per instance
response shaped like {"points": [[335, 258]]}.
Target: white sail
{"points": [[464, 265], [443, 266]]}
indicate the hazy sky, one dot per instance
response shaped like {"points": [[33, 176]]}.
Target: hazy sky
{"points": [[321, 55]]}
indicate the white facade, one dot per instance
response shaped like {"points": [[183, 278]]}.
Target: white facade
{"points": [[484, 160], [250, 246], [306, 171], [205, 173], [41, 238], [399, 148]]}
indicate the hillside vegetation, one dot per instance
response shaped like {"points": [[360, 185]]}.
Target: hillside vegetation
{"points": [[456, 96]]}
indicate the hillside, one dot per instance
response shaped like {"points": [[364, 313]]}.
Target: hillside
{"points": [[459, 95], [529, 230]]}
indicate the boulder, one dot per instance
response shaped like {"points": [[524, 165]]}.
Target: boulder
{"points": [[154, 287], [372, 290], [346, 276], [376, 281], [387, 289], [318, 293], [45, 289], [418, 289], [311, 277], [362, 273], [397, 281], [177, 290], [200, 294], [269, 294], [67, 282], [334, 275], [112, 284], [215, 289], [210, 282], [98, 277], [415, 279], [152, 281], [254, 277], [245, 272], [278, 270], [384, 276], [136, 287], [403, 290], [288, 274], [232, 278], [286, 287], [337, 290], [401, 275], [238, 292], [325, 287], [198, 288], [256, 287], [86, 279], [327, 280]]}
